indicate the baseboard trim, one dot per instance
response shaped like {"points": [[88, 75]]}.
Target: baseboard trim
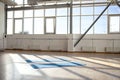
{"points": [[65, 51]]}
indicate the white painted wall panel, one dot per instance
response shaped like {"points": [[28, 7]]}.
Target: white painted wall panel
{"points": [[98, 43], [35, 42], [1, 25], [117, 46]]}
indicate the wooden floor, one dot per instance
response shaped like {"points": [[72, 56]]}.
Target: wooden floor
{"points": [[97, 66]]}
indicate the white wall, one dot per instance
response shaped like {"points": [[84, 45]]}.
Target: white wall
{"points": [[1, 24], [99, 43], [37, 42], [94, 43]]}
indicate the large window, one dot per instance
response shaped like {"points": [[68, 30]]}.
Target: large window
{"points": [[114, 10], [10, 14], [61, 25], [28, 26], [18, 14], [28, 13], [76, 10], [100, 26], [86, 21], [76, 25], [114, 24], [57, 18], [10, 26], [99, 9], [62, 12], [50, 25], [39, 13], [50, 12], [18, 26], [87, 10], [38, 26], [10, 22]]}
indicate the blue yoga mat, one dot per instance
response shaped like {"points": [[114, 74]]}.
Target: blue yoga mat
{"points": [[32, 61], [56, 65], [44, 60]]}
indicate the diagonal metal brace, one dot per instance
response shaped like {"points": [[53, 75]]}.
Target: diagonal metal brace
{"points": [[93, 23], [117, 2]]}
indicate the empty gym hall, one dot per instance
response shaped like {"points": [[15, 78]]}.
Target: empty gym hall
{"points": [[59, 39]]}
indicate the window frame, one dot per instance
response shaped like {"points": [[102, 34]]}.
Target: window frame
{"points": [[32, 30], [54, 25], [109, 24], [12, 26], [15, 26]]}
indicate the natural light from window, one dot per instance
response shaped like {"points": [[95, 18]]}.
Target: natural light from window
{"points": [[50, 25], [114, 24]]}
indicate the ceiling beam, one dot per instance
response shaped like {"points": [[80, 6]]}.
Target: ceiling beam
{"points": [[39, 7]]}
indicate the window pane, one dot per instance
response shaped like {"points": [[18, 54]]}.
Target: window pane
{"points": [[50, 12], [38, 26], [62, 12], [87, 1], [28, 26], [76, 25], [50, 3], [9, 26], [115, 24], [86, 21], [39, 13], [100, 26], [99, 9], [86, 10], [18, 26], [61, 25], [28, 13], [114, 10], [18, 14], [25, 1], [76, 11], [49, 25], [10, 14]]}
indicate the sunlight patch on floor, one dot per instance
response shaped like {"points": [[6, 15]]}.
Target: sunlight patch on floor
{"points": [[100, 62], [22, 67]]}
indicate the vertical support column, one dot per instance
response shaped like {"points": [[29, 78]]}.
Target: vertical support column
{"points": [[33, 20], [70, 43], [5, 29], [70, 37], [71, 16], [2, 25]]}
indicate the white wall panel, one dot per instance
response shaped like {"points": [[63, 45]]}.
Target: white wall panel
{"points": [[37, 42], [2, 20], [98, 43]]}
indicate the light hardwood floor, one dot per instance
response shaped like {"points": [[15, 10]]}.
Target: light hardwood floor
{"points": [[97, 66]]}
